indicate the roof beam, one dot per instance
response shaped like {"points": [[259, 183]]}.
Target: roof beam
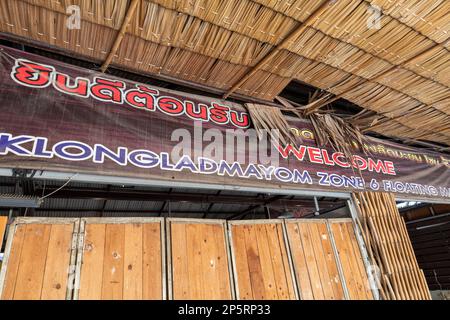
{"points": [[383, 73], [291, 36], [128, 16], [383, 11]]}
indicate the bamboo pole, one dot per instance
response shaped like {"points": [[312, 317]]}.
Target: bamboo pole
{"points": [[389, 247], [295, 33], [129, 15]]}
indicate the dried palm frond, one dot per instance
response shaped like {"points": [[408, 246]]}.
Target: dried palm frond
{"points": [[336, 132], [270, 120]]}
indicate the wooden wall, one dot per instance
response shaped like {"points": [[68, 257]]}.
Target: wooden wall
{"points": [[125, 258], [261, 262], [199, 260], [314, 260], [38, 261], [349, 253], [122, 261]]}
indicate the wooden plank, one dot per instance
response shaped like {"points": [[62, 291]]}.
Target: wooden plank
{"points": [[152, 262], [330, 259], [254, 263], [13, 262], [210, 262], [360, 286], [113, 263], [180, 273], [222, 272], [132, 276], [359, 261], [30, 274], [280, 264], [92, 267], [285, 254], [58, 260], [244, 283], [194, 236], [311, 263], [344, 257], [270, 285], [3, 222], [322, 267], [299, 261]]}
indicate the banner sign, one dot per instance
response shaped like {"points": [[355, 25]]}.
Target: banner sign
{"points": [[60, 117]]}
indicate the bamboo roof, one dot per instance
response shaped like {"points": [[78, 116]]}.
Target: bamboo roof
{"points": [[400, 72]]}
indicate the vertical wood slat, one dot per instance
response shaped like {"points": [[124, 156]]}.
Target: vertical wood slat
{"points": [[13, 261], [223, 270], [92, 267], [133, 261], [133, 270], [242, 273], [355, 275], [314, 260], [58, 259], [194, 258], [152, 268], [199, 260], [113, 263], [261, 261], [3, 222], [357, 256], [32, 262], [280, 262], [330, 258], [299, 262], [122, 259], [38, 260], [180, 274]]}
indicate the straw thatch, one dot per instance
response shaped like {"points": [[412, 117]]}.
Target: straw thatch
{"points": [[270, 122], [400, 73]]}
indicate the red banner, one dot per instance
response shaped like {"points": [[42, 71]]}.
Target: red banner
{"points": [[59, 117]]}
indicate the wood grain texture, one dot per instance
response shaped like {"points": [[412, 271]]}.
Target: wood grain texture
{"points": [[14, 262], [38, 265], [113, 263], [152, 278], [262, 265], [92, 267], [58, 260], [132, 277], [199, 261], [3, 222], [353, 267], [299, 262], [122, 261], [314, 261], [30, 273]]}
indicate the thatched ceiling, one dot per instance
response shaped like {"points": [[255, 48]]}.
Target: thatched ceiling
{"points": [[401, 71]]}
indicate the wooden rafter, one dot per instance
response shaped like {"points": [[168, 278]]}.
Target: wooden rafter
{"points": [[383, 73], [295, 33], [129, 15], [438, 44]]}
